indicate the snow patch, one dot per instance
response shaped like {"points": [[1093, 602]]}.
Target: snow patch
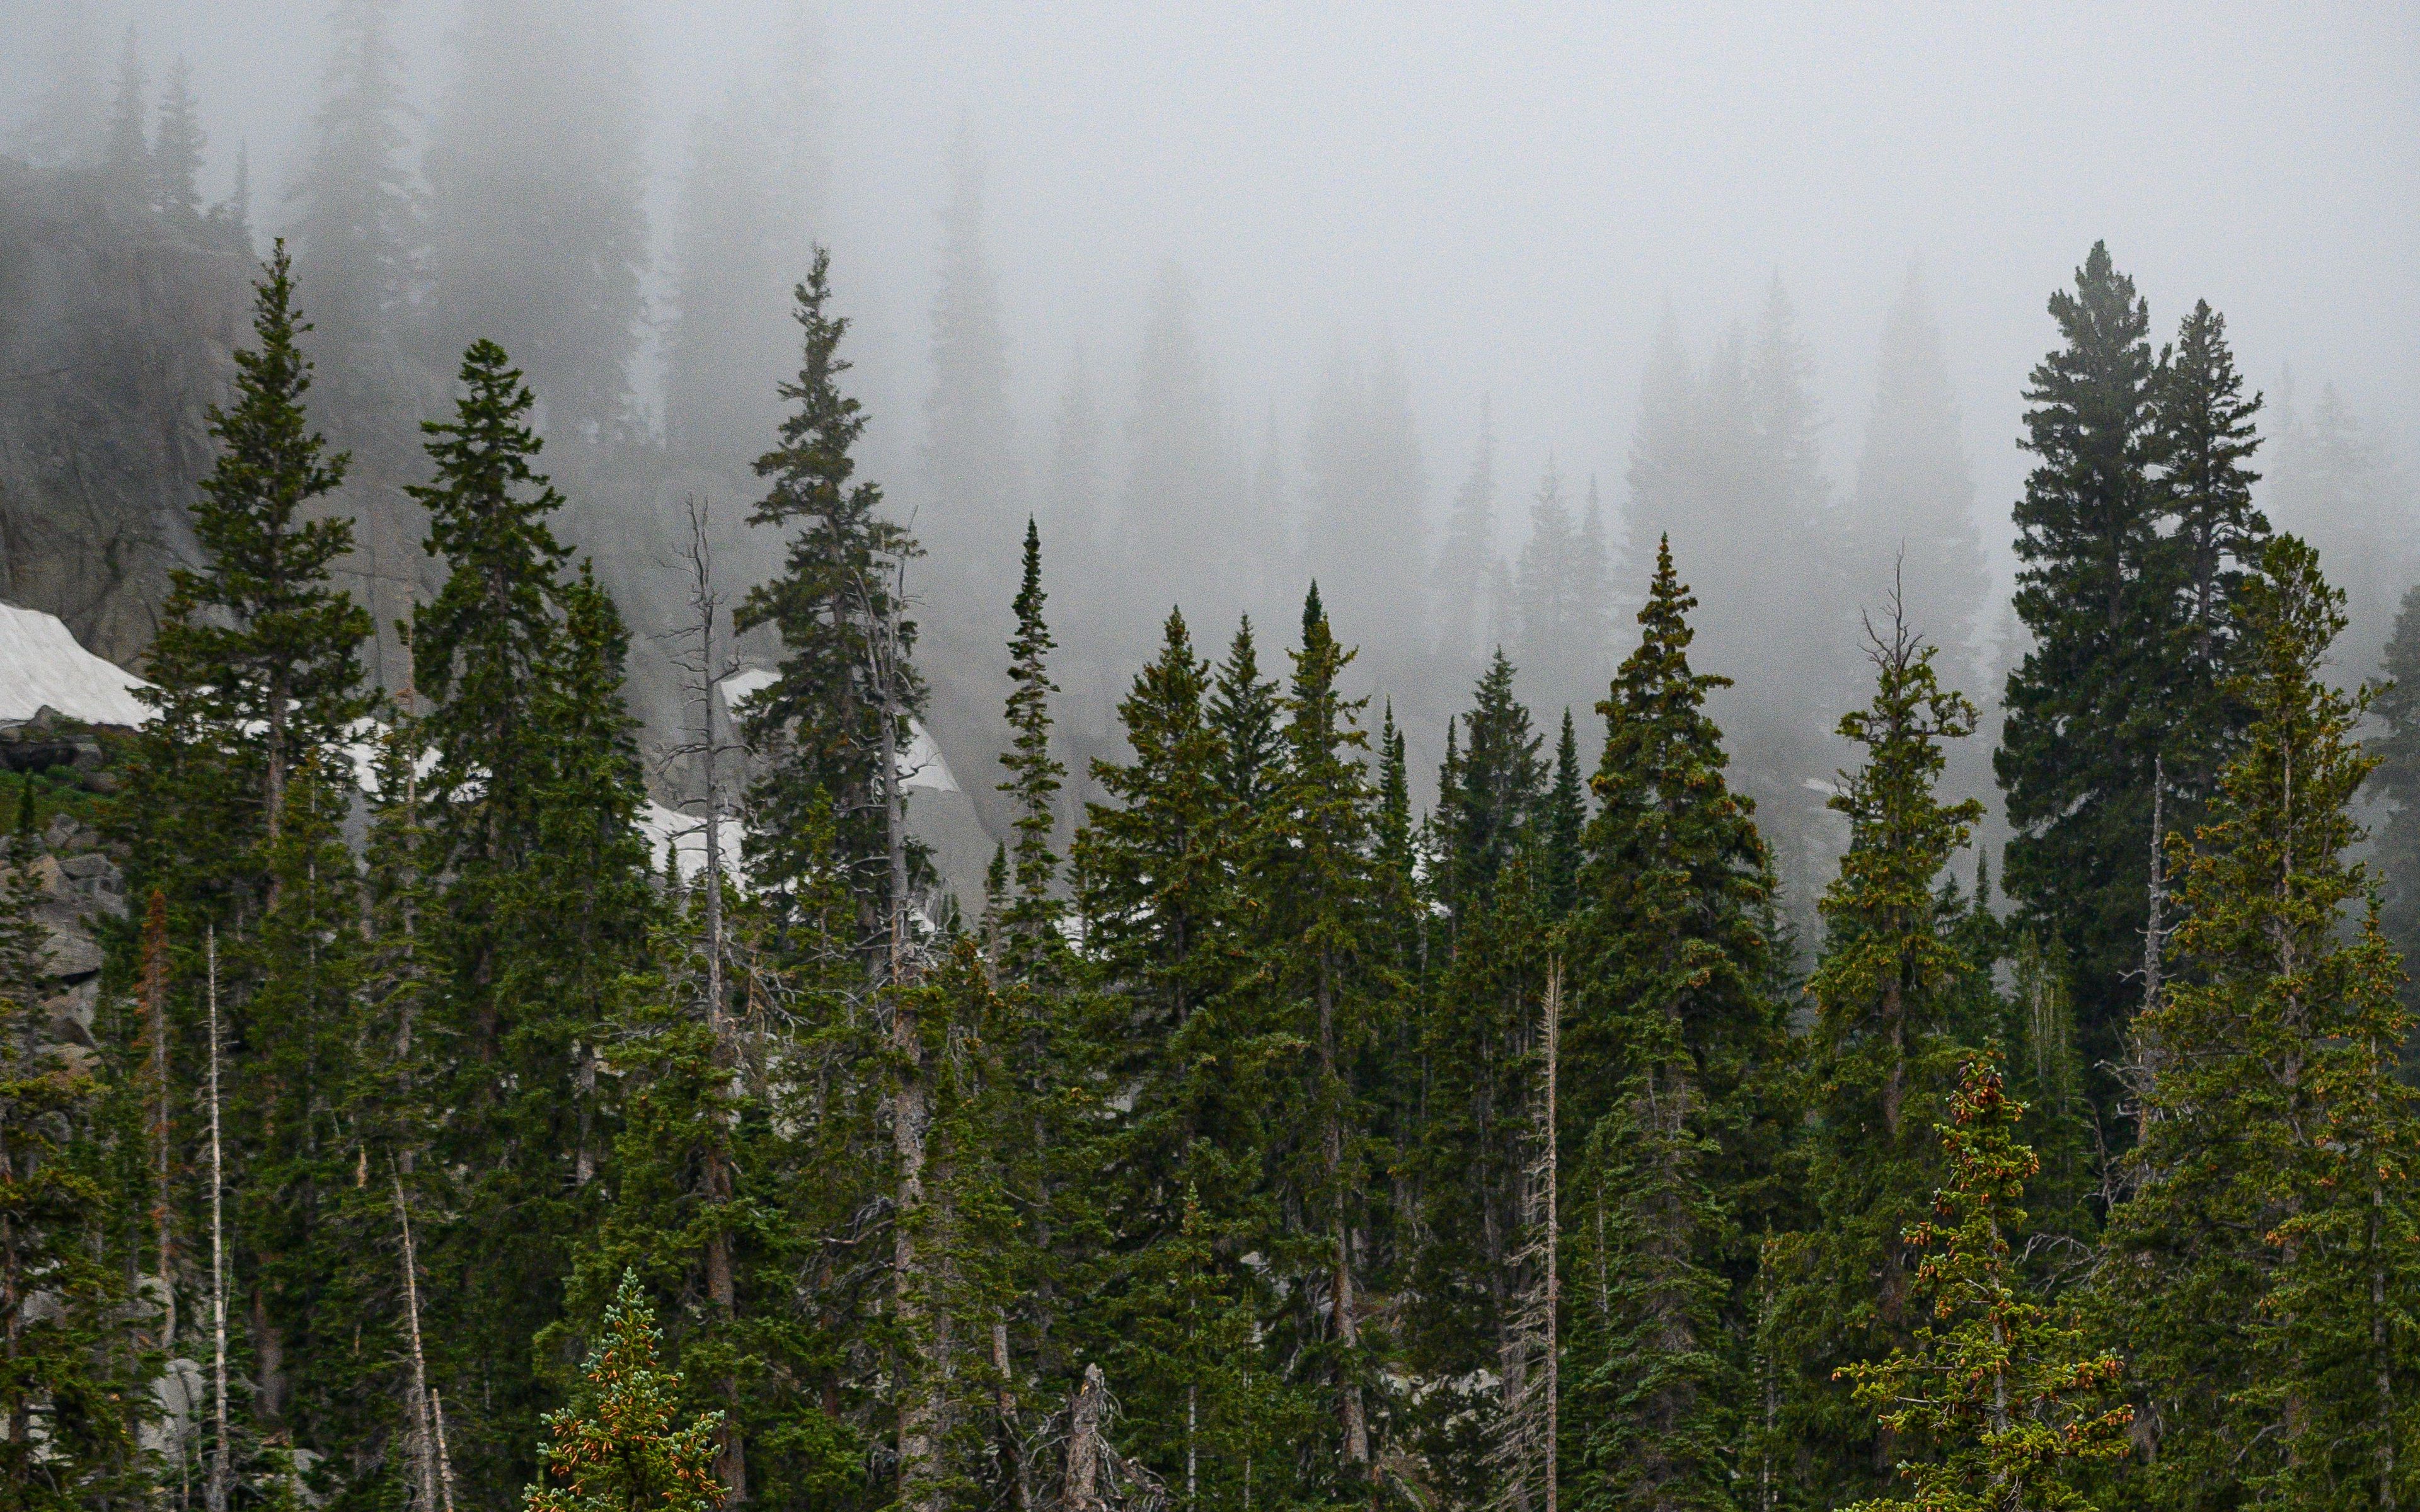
{"points": [[40, 663]]}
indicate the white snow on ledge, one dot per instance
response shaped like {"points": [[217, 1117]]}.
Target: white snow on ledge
{"points": [[41, 664], [919, 765]]}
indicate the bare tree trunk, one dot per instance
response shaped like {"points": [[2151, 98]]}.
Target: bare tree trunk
{"points": [[1087, 1446], [1525, 1452], [2147, 1043], [911, 1115], [155, 1027], [214, 1493], [423, 1439], [731, 1456], [1342, 1310], [444, 1462], [1012, 1439]]}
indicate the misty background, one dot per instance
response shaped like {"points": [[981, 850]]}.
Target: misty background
{"points": [[1452, 308]]}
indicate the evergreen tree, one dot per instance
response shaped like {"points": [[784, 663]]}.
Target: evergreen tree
{"points": [[1459, 584], [1912, 516], [1071, 491], [1182, 517], [1365, 525], [2091, 704], [1895, 993], [1564, 595], [2396, 777], [2334, 481], [535, 146], [354, 227], [755, 185], [2253, 1271], [970, 438], [620, 1443], [65, 125], [126, 150], [1328, 996], [1673, 1049], [1033, 781], [1566, 818], [1243, 712], [177, 149], [843, 673], [533, 786], [2001, 1383], [1489, 800], [256, 666]]}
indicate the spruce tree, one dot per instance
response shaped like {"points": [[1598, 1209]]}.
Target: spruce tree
{"points": [[837, 607], [1566, 817], [1895, 993], [1035, 775], [533, 788], [2003, 1384], [1673, 1050], [256, 666], [621, 1444], [2253, 1271], [2396, 777], [1328, 995], [1244, 711], [2134, 517], [353, 215], [177, 149]]}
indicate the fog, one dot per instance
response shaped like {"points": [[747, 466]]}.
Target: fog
{"points": [[1350, 217]]}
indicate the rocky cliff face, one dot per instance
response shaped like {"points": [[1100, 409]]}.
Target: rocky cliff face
{"points": [[115, 338]]}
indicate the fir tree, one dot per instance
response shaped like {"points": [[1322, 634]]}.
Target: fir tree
{"points": [[1894, 993], [1673, 1047], [2252, 1270], [256, 666], [1566, 817], [1035, 775], [2001, 1383], [620, 1445], [177, 149], [1244, 711], [1325, 993], [354, 228], [126, 150], [2099, 699], [820, 799]]}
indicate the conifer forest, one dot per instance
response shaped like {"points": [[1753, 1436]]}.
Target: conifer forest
{"points": [[649, 943]]}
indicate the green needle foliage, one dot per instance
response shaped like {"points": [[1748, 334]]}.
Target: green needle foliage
{"points": [[620, 1447], [2259, 1270], [2004, 1388]]}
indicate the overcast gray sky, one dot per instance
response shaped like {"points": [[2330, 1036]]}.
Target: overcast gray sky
{"points": [[1510, 193]]}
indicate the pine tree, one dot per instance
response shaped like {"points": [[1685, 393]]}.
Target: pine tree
{"points": [[822, 726], [2001, 1383], [1894, 994], [177, 149], [2252, 1270], [620, 1443]]}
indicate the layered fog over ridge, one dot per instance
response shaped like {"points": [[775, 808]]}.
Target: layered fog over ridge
{"points": [[1147, 758]]}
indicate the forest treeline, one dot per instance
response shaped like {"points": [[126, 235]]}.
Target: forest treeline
{"points": [[1275, 1145]]}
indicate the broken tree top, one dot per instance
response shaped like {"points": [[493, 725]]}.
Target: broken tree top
{"points": [[42, 666]]}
